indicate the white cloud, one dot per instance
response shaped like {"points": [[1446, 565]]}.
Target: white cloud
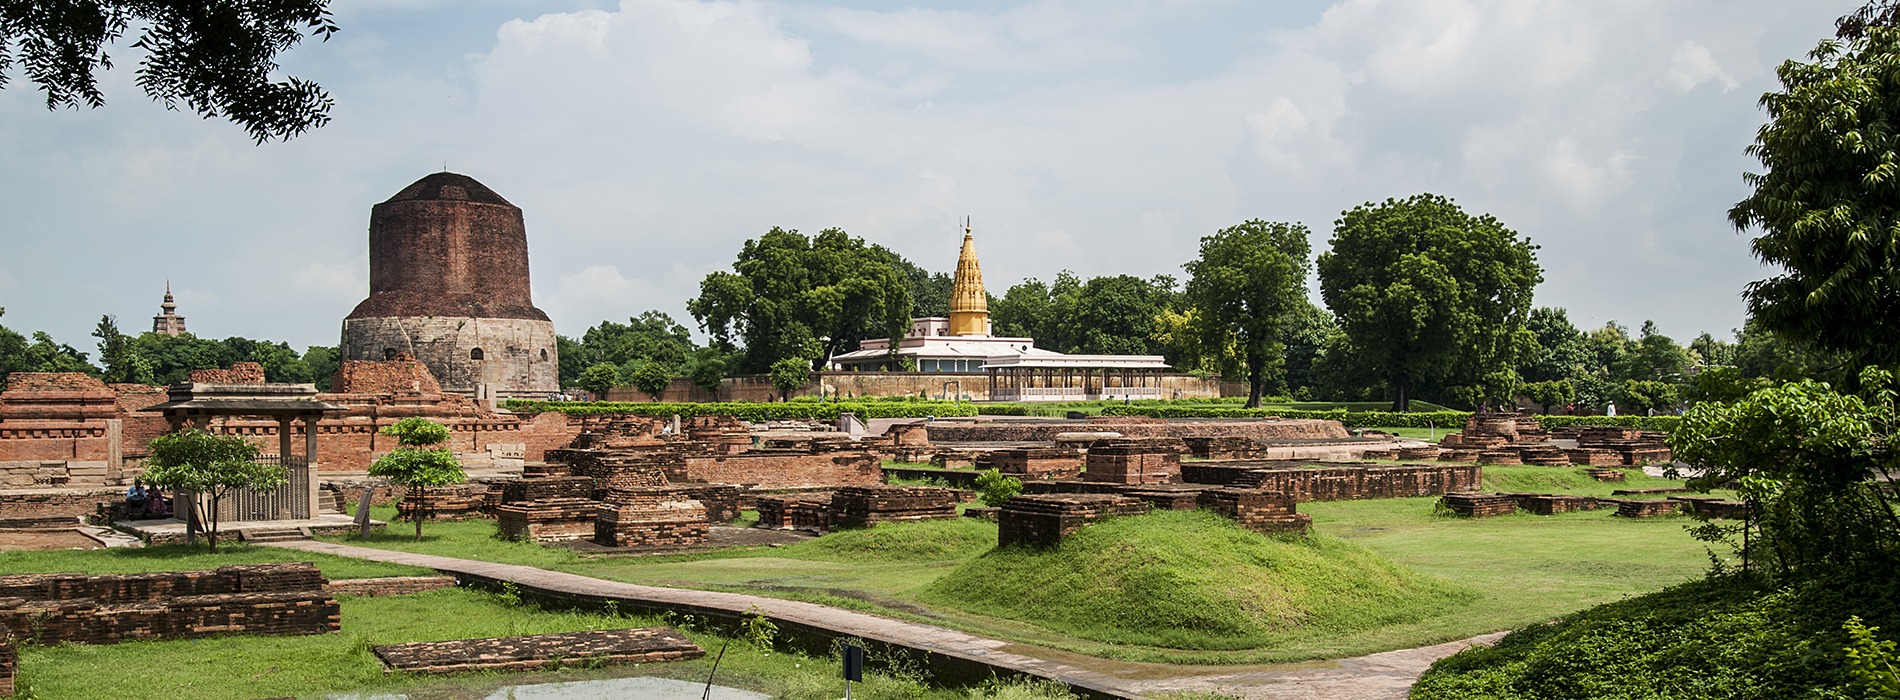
{"points": [[1692, 64]]}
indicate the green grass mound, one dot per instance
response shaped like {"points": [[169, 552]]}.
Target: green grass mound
{"points": [[929, 540], [1192, 580], [1724, 638], [1571, 480]]}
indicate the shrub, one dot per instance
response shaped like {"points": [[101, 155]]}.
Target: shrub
{"points": [[994, 488]]}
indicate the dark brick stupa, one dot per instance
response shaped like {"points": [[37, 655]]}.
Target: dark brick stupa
{"points": [[448, 278]]}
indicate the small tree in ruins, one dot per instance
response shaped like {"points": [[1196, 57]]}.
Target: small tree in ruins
{"points": [[418, 462], [196, 463]]}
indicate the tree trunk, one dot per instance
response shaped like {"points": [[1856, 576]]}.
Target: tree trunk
{"points": [[211, 533], [1256, 362], [1403, 385], [421, 511]]}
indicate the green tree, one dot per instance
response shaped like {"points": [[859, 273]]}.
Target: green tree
{"points": [[599, 378], [209, 465], [1556, 392], [1248, 284], [1562, 350], [1116, 315], [652, 378], [322, 361], [995, 489], [789, 374], [1825, 204], [1428, 294], [1646, 395], [115, 352], [792, 296], [214, 58], [707, 369], [1810, 461], [1024, 312], [418, 462]]}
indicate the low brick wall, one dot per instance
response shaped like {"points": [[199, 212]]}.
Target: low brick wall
{"points": [[391, 585], [541, 652], [239, 599], [456, 502], [781, 469], [1046, 431], [959, 478], [552, 520], [1552, 504], [864, 506], [1713, 507], [1635, 508], [1135, 461], [9, 665], [796, 511], [545, 488], [1033, 463], [34, 506], [659, 519], [1479, 505], [1354, 483], [1261, 511], [1042, 520]]}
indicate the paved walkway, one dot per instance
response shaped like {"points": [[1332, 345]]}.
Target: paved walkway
{"points": [[1375, 677]]}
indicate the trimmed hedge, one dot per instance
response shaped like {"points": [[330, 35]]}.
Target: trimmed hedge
{"points": [[1387, 419], [752, 411]]}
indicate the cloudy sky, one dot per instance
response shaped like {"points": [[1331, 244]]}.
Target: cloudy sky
{"points": [[647, 140]]}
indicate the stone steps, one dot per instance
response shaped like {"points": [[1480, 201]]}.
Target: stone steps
{"points": [[274, 534]]}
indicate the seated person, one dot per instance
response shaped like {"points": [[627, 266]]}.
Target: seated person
{"points": [[135, 498], [155, 506]]}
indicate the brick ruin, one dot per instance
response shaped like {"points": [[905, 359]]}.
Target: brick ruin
{"points": [[1154, 460], [238, 599], [1046, 431], [1479, 505], [1507, 438], [541, 652], [653, 517], [1043, 520], [388, 585], [1262, 511], [9, 665], [1033, 462], [856, 506]]}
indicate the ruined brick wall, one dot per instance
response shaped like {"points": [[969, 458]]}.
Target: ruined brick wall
{"points": [[550, 520], [772, 469], [45, 506], [391, 585], [1352, 483], [651, 520], [9, 665], [1033, 463], [241, 599], [1042, 520], [864, 506], [399, 375], [1261, 511], [1039, 431], [239, 373]]}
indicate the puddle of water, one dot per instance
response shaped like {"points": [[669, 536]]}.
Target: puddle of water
{"points": [[640, 688]]}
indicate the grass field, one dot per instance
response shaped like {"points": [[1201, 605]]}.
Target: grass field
{"points": [[242, 667], [1522, 569]]}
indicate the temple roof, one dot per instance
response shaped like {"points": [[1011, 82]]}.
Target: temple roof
{"points": [[447, 186], [967, 294]]}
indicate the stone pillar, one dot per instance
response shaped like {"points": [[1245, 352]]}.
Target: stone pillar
{"points": [[115, 451], [309, 458]]}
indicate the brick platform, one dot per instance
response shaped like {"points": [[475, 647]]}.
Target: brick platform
{"points": [[1260, 511], [551, 520], [1135, 461], [1168, 496], [1458, 456], [9, 665], [457, 502], [541, 652], [1712, 507], [239, 599], [1635, 508], [1225, 447], [1479, 505], [1353, 483], [1424, 452], [722, 501], [650, 518], [1500, 457], [796, 511], [1544, 457], [1606, 474], [390, 585], [1033, 463], [545, 488], [1594, 457], [864, 506], [1042, 520], [1552, 504]]}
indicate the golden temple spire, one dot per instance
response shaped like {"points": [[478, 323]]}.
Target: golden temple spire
{"points": [[969, 304]]}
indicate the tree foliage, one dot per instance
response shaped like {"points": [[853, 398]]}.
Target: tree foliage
{"points": [[1248, 284], [788, 375], [213, 466], [598, 379], [418, 462], [1427, 294], [214, 58], [1809, 461], [652, 378], [792, 296], [1826, 203]]}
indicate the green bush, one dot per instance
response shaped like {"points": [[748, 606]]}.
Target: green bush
{"points": [[1722, 638], [1658, 423], [1351, 419], [994, 488]]}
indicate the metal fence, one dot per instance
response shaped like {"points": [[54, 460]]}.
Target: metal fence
{"points": [[290, 501]]}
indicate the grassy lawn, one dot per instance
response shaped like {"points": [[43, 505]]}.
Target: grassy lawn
{"points": [[241, 667], [1520, 569], [178, 557]]}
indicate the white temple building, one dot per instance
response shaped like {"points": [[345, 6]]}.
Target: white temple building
{"points": [[1016, 369]]}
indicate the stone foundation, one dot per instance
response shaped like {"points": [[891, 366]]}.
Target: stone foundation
{"points": [[796, 511], [541, 652], [1636, 508], [1606, 474], [552, 520], [1354, 483], [864, 506], [1042, 520], [1135, 461], [391, 585], [1046, 431], [238, 599], [1033, 463], [651, 519], [1261, 511], [1168, 496], [545, 488], [1552, 504], [1479, 505], [455, 502]]}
